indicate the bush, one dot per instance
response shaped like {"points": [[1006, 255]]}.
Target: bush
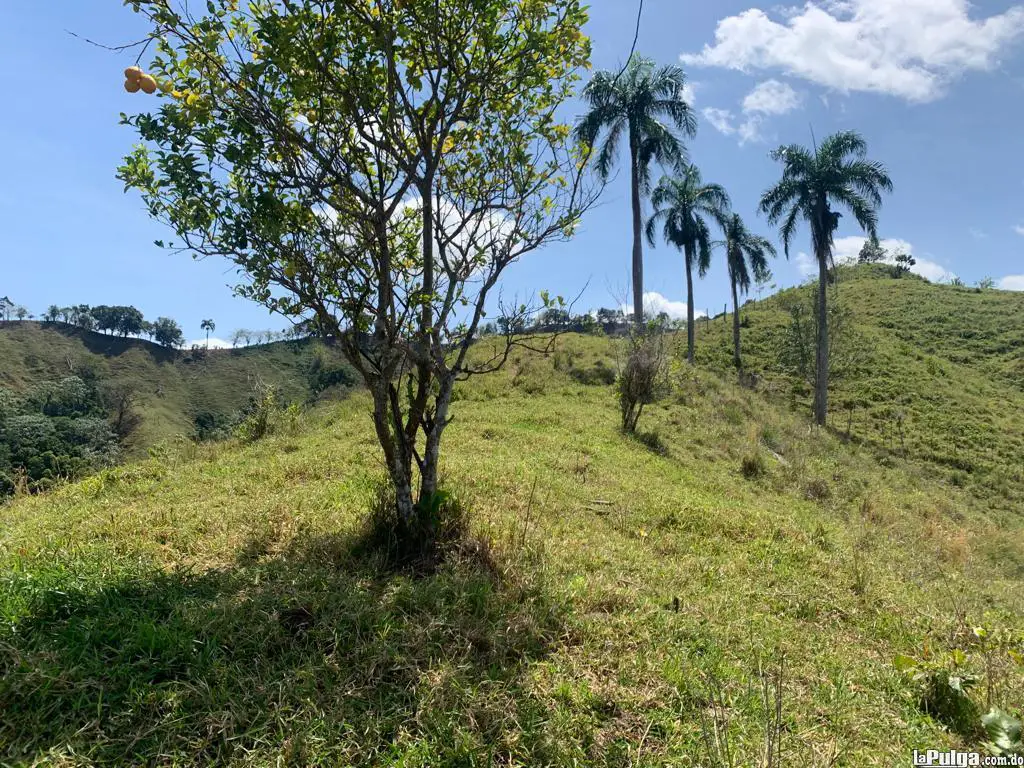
{"points": [[643, 379], [210, 425], [817, 490], [323, 373], [753, 466], [259, 415]]}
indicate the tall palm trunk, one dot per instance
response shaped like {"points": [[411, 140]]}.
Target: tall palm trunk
{"points": [[821, 373], [689, 303], [638, 249], [735, 323]]}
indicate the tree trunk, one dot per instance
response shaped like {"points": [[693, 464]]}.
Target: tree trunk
{"points": [[821, 372], [737, 361], [432, 450], [689, 304], [396, 456], [638, 250]]}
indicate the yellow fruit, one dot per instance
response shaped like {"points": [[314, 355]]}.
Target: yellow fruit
{"points": [[132, 86], [132, 73], [147, 83], [167, 86]]}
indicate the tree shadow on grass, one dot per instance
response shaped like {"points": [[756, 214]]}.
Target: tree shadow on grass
{"points": [[305, 657]]}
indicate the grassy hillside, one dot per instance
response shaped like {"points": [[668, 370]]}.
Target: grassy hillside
{"points": [[943, 364], [628, 599], [170, 386]]}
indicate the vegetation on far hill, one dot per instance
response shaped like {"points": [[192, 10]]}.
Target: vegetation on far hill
{"points": [[931, 371], [172, 393]]}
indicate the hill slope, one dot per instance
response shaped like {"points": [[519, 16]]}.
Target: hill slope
{"points": [[171, 386], [211, 608], [941, 364]]}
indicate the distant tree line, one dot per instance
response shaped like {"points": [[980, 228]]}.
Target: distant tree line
{"points": [[119, 320], [244, 336], [611, 322]]}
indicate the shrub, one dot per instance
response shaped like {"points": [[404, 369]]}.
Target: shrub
{"points": [[817, 490], [643, 379], [258, 418], [943, 688], [753, 466]]}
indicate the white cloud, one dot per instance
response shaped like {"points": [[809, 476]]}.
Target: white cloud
{"points": [[723, 121], [805, 265], [911, 49], [768, 98], [689, 93], [655, 304], [1019, 230], [720, 119], [215, 343], [1012, 283], [771, 98], [978, 234]]}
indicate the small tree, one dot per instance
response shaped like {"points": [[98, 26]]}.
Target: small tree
{"points": [[904, 262], [167, 332], [377, 173], [208, 326], [986, 283], [21, 313], [871, 252], [642, 378], [52, 313]]}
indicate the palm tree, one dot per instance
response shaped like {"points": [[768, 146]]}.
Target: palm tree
{"points": [[208, 326], [681, 203], [835, 174], [746, 254], [644, 104]]}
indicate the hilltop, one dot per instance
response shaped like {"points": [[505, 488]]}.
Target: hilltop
{"points": [[628, 598], [930, 371], [171, 387]]}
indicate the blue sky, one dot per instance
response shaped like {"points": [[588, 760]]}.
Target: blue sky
{"points": [[936, 87]]}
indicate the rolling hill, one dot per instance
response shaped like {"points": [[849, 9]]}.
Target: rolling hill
{"points": [[171, 387], [728, 577], [935, 372]]}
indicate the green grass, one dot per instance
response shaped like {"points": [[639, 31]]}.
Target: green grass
{"points": [[207, 607], [170, 386], [949, 359]]}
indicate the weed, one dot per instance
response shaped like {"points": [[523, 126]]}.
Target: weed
{"points": [[753, 466]]}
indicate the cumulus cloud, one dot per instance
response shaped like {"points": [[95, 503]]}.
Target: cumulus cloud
{"points": [[910, 49], [771, 98], [805, 265], [689, 93], [655, 304], [1012, 283], [1019, 230], [768, 98], [215, 343], [722, 120]]}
